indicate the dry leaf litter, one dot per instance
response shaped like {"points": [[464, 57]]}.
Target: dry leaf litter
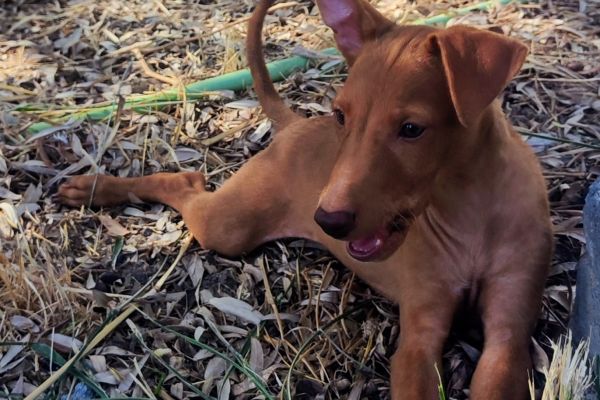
{"points": [[294, 321]]}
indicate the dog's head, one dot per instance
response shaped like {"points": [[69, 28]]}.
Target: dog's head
{"points": [[412, 103]]}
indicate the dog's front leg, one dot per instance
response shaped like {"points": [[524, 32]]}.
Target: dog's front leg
{"points": [[509, 305], [426, 314]]}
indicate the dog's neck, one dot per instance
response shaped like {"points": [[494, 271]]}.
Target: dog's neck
{"points": [[465, 191]]}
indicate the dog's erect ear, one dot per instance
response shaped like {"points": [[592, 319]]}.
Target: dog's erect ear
{"points": [[478, 65], [354, 22]]}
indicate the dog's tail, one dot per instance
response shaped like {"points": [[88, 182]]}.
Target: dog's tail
{"points": [[270, 101]]}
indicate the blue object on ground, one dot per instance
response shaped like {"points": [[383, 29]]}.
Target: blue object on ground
{"points": [[80, 392]]}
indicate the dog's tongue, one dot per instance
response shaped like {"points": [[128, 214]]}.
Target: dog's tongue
{"points": [[370, 244]]}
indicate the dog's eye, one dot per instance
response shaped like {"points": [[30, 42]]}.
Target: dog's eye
{"points": [[339, 116], [410, 131]]}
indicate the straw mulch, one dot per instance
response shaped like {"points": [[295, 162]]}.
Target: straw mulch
{"points": [[289, 311]]}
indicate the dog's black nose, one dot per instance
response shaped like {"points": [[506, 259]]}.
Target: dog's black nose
{"points": [[337, 224]]}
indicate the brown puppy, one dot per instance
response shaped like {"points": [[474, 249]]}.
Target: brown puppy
{"points": [[420, 183]]}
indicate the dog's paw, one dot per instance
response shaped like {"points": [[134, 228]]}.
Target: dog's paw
{"points": [[78, 190]]}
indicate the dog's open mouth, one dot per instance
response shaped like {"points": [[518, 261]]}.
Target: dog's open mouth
{"points": [[383, 242]]}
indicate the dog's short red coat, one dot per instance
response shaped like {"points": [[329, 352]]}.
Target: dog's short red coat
{"points": [[479, 228]]}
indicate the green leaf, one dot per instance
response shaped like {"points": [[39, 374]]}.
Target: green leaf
{"points": [[116, 250]]}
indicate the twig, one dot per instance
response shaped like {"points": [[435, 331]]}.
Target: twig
{"points": [[149, 72]]}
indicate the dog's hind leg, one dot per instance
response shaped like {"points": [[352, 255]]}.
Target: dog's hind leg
{"points": [[232, 220], [273, 196], [102, 190]]}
